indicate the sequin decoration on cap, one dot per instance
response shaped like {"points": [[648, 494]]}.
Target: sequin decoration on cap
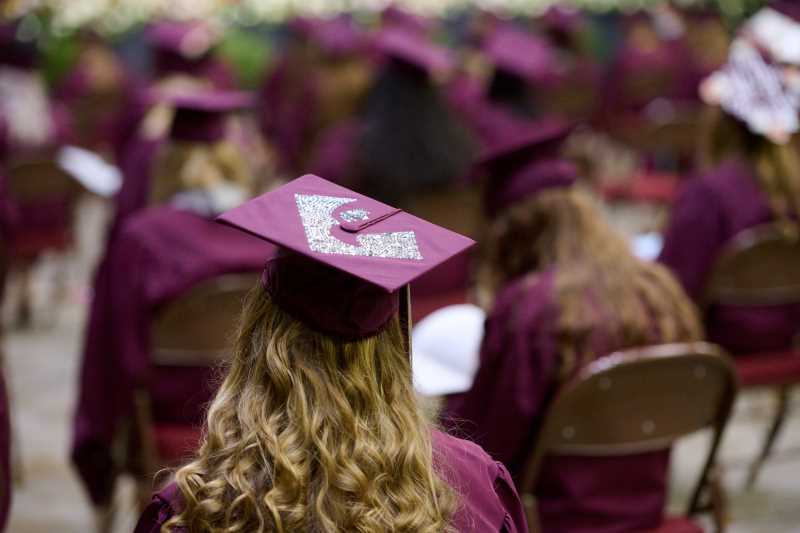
{"points": [[345, 256], [753, 90]]}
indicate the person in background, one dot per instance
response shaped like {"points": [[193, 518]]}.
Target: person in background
{"points": [[157, 253], [395, 154], [34, 128], [752, 178], [318, 82], [182, 59], [562, 289], [316, 426], [522, 64], [94, 90]]}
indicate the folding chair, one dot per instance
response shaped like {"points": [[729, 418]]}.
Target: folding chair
{"points": [[638, 401], [194, 330], [761, 267]]}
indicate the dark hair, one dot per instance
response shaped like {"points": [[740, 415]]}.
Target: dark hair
{"points": [[411, 141], [512, 92]]}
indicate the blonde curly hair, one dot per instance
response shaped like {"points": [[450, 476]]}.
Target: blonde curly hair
{"points": [[599, 284], [310, 433]]}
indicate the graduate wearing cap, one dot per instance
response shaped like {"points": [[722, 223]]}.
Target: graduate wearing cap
{"points": [[561, 289], [406, 139], [751, 177], [154, 253], [316, 423], [522, 65], [182, 59], [318, 82]]}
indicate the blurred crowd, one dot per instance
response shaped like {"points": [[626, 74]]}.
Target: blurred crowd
{"points": [[631, 179]]}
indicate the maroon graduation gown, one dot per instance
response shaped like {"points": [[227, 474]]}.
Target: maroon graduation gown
{"points": [[158, 253], [506, 405], [711, 209], [489, 502]]}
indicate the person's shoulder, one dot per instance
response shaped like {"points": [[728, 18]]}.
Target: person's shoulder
{"points": [[528, 298], [165, 504], [462, 457]]}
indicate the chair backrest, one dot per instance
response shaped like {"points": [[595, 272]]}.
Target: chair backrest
{"points": [[197, 328], [637, 401], [760, 266], [43, 179]]}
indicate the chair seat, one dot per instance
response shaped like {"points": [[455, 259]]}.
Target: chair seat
{"points": [[174, 442], [768, 369], [676, 524]]}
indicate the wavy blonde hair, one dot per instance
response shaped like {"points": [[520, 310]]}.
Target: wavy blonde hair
{"points": [[181, 166], [600, 286], [309, 433]]}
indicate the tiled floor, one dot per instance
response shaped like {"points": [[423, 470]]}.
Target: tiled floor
{"points": [[42, 370]]}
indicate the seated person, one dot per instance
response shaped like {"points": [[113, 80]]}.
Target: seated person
{"points": [[753, 179], [562, 289], [158, 253], [316, 426]]}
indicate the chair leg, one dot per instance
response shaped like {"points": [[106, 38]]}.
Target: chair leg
{"points": [[718, 499], [775, 428], [24, 318]]}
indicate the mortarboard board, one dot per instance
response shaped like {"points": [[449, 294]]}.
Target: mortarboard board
{"points": [[524, 163], [180, 46], [414, 49], [514, 50], [201, 116], [393, 16], [754, 91], [346, 256], [775, 29]]}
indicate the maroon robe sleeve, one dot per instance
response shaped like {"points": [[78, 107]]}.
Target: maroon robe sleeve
{"points": [[514, 521], [694, 236], [160, 511], [515, 376]]}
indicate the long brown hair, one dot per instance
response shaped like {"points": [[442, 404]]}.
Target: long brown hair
{"points": [[181, 166], [310, 433], [600, 286], [776, 167]]}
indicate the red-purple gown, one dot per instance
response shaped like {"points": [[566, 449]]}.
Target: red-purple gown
{"points": [[711, 209], [158, 253], [489, 502], [503, 411]]}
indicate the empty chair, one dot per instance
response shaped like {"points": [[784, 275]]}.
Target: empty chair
{"points": [[193, 330]]}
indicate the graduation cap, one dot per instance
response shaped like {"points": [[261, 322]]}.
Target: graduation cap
{"points": [[775, 29], [414, 49], [516, 51], [201, 116], [180, 46], [394, 16], [524, 163], [347, 258], [338, 36], [754, 91]]}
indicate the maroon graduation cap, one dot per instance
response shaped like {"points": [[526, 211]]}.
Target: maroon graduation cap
{"points": [[345, 257], [524, 163], [180, 46], [415, 49], [201, 115], [520, 53]]}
